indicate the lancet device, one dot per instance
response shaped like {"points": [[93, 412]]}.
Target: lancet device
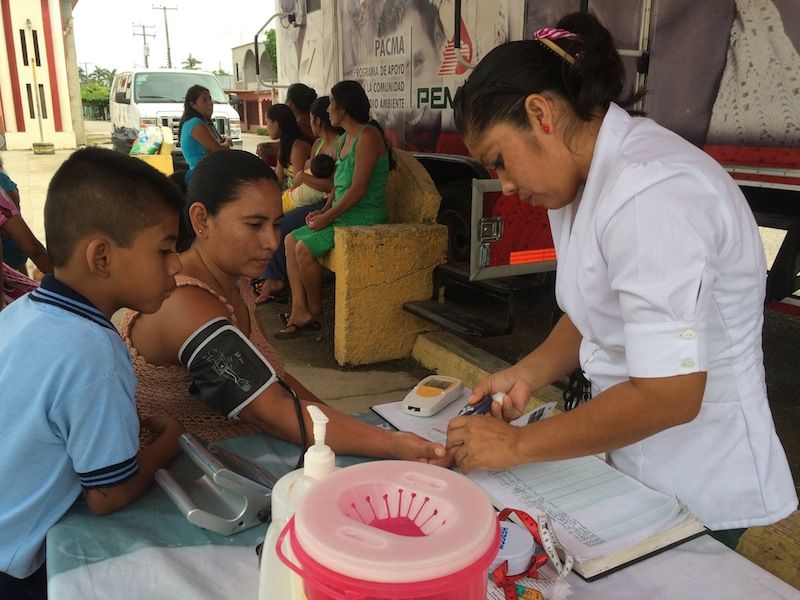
{"points": [[230, 494]]}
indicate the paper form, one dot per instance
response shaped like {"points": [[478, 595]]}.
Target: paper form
{"points": [[435, 428], [594, 509]]}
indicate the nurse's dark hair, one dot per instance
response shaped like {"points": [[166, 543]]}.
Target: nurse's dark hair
{"points": [[97, 191], [217, 180], [496, 90], [350, 96]]}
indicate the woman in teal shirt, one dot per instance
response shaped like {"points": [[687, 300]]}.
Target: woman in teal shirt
{"points": [[196, 131], [363, 161]]}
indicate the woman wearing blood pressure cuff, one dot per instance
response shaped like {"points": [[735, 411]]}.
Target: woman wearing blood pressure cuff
{"points": [[661, 277], [205, 347]]}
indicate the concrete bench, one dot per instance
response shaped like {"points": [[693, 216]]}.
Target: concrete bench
{"points": [[380, 267]]}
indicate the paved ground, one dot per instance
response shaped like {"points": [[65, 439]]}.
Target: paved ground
{"points": [[355, 389]]}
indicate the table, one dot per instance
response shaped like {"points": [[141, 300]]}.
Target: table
{"points": [[149, 551]]}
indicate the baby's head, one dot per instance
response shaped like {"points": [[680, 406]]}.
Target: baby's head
{"points": [[322, 166]]}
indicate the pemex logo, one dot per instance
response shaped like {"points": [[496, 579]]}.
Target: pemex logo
{"points": [[450, 64]]}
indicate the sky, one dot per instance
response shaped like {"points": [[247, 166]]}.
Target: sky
{"points": [[206, 28]]}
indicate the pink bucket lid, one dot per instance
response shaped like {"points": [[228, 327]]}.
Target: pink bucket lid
{"points": [[395, 522]]}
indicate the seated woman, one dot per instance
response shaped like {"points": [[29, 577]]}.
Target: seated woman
{"points": [[299, 98], [196, 130], [275, 277], [294, 148], [363, 161], [203, 357], [14, 284]]}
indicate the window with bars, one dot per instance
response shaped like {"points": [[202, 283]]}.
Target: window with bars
{"points": [[31, 110], [23, 42], [42, 102], [36, 48]]}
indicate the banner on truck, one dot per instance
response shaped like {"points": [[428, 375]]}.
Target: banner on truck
{"points": [[403, 54]]}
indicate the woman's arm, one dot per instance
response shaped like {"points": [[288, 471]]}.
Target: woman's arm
{"points": [[625, 413], [370, 148], [202, 135], [18, 230], [158, 337], [318, 183], [301, 150]]}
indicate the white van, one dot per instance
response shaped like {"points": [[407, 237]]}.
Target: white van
{"points": [[155, 97]]}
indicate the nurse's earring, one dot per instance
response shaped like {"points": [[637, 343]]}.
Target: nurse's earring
{"points": [[546, 128]]}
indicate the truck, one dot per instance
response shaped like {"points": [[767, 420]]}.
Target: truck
{"points": [[730, 86], [155, 97]]}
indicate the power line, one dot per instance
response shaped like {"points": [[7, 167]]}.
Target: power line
{"points": [[164, 9], [144, 34]]}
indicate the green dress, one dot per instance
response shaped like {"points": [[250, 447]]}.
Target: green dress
{"points": [[370, 210]]}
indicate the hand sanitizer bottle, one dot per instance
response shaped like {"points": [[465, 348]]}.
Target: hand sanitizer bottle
{"points": [[276, 580]]}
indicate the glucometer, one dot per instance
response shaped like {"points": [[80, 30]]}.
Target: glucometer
{"points": [[431, 395], [231, 493]]}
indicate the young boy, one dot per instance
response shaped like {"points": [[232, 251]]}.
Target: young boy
{"points": [[321, 166], [68, 421]]}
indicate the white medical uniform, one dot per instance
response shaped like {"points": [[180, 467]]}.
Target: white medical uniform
{"points": [[661, 269]]}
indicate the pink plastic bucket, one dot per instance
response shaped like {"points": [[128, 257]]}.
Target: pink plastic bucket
{"points": [[392, 530]]}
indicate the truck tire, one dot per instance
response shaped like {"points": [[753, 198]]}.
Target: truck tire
{"points": [[455, 212]]}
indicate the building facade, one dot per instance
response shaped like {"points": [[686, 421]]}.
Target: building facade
{"points": [[38, 71]]}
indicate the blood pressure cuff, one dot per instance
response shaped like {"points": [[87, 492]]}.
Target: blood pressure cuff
{"points": [[225, 367]]}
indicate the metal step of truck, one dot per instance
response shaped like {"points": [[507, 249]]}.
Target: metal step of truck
{"points": [[457, 320]]}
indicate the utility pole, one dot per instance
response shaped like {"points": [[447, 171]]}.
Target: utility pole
{"points": [[145, 35], [86, 69], [164, 9]]}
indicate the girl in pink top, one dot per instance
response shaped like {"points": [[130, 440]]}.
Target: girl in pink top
{"points": [[14, 283]]}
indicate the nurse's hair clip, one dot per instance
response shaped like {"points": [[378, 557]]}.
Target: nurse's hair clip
{"points": [[546, 35]]}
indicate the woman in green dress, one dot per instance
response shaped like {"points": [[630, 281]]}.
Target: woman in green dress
{"points": [[363, 161]]}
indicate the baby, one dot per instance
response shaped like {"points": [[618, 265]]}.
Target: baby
{"points": [[322, 166]]}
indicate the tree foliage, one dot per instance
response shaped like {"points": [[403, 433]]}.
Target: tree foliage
{"points": [[271, 49], [95, 91], [191, 63], [99, 75], [92, 91]]}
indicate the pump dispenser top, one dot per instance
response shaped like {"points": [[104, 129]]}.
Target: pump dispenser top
{"points": [[319, 459]]}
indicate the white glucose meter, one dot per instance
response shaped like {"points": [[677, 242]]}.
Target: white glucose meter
{"points": [[431, 395]]}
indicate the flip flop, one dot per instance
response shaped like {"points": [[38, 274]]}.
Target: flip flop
{"points": [[257, 284], [276, 298], [309, 328]]}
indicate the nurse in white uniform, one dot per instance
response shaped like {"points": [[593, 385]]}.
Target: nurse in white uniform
{"points": [[661, 277]]}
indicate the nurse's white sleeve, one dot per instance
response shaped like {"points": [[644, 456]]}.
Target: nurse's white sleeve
{"points": [[660, 248]]}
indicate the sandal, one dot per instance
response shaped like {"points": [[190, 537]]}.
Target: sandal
{"points": [[276, 298], [295, 330], [284, 316]]}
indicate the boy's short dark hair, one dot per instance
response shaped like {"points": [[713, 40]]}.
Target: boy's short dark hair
{"points": [[102, 191], [322, 166]]}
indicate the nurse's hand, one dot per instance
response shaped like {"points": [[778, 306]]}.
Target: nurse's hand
{"points": [[483, 442], [513, 384]]}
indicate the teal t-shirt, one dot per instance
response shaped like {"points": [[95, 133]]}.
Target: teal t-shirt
{"points": [[193, 151]]}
